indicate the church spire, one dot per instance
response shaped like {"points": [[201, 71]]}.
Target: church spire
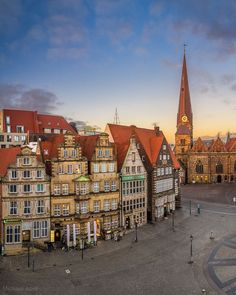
{"points": [[184, 116]]}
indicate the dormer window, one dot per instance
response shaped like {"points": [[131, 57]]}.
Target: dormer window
{"points": [[19, 129], [26, 161]]}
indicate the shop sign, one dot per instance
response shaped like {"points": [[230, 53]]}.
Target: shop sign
{"points": [[132, 177], [6, 221]]}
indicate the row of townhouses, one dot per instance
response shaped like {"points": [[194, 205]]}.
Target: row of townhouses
{"points": [[68, 188]]}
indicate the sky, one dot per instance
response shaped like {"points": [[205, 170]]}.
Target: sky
{"points": [[84, 58]]}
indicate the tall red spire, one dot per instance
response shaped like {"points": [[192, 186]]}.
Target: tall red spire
{"points": [[184, 116]]}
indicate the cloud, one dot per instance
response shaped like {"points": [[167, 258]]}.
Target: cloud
{"points": [[18, 96], [227, 79]]}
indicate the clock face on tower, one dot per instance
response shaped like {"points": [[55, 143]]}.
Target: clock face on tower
{"points": [[184, 119]]}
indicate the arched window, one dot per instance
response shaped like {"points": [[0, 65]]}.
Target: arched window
{"points": [[199, 167], [219, 168]]}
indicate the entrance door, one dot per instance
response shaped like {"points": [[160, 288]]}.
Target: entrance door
{"points": [[57, 235], [219, 178], [26, 236], [127, 222]]}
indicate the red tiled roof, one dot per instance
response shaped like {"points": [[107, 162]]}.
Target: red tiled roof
{"points": [[7, 157], [151, 140], [231, 145], [34, 122], [217, 146], [49, 148], [53, 122], [28, 119], [88, 144]]}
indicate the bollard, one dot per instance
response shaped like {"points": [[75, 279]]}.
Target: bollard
{"points": [[211, 236]]}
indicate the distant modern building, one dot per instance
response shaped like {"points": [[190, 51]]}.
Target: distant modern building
{"points": [[160, 163], [202, 161], [19, 126], [25, 200]]}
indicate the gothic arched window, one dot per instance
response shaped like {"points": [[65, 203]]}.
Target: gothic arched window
{"points": [[219, 168], [199, 167]]}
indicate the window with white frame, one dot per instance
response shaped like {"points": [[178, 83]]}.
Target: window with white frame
{"points": [[12, 188], [168, 157], [107, 153], [113, 186], [106, 205], [39, 187], [8, 120], [166, 170], [40, 206], [26, 188], [60, 169], [26, 161], [26, 174], [100, 153], [65, 209], [77, 208], [13, 174], [65, 189], [65, 153], [74, 153], [70, 169], [84, 188], [84, 207], [111, 167], [57, 189], [139, 169], [164, 147], [133, 156], [158, 171], [164, 185], [127, 170], [104, 167], [13, 208], [162, 171], [133, 169], [36, 229], [13, 234], [160, 157], [47, 130], [57, 131], [106, 186], [96, 187], [39, 174], [96, 206], [44, 228], [16, 138], [19, 129], [27, 207], [95, 167], [57, 210], [170, 170], [114, 204], [164, 157]]}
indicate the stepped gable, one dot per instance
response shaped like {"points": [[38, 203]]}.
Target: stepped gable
{"points": [[217, 146], [199, 146], [7, 157], [231, 145]]}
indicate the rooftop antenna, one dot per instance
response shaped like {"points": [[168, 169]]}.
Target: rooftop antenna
{"points": [[116, 118]]}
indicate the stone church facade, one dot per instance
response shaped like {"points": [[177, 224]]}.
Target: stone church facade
{"points": [[201, 161]]}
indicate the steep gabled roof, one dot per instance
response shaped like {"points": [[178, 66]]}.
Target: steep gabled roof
{"points": [[151, 141], [231, 145], [88, 145], [217, 146], [7, 157], [199, 146], [49, 148]]}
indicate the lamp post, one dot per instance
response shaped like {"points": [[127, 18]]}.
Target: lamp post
{"points": [[136, 231], [190, 207], [191, 250], [82, 248], [173, 221]]}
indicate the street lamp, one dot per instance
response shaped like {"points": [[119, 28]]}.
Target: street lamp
{"points": [[82, 247], [136, 231], [190, 207], [191, 250], [173, 221]]}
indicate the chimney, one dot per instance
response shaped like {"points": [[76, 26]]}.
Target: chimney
{"points": [[157, 130]]}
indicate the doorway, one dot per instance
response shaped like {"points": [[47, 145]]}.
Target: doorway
{"points": [[57, 235], [219, 179], [25, 236]]}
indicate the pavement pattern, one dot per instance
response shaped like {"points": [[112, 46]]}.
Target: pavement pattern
{"points": [[156, 264]]}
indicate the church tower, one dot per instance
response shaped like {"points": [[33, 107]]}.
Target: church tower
{"points": [[184, 133]]}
